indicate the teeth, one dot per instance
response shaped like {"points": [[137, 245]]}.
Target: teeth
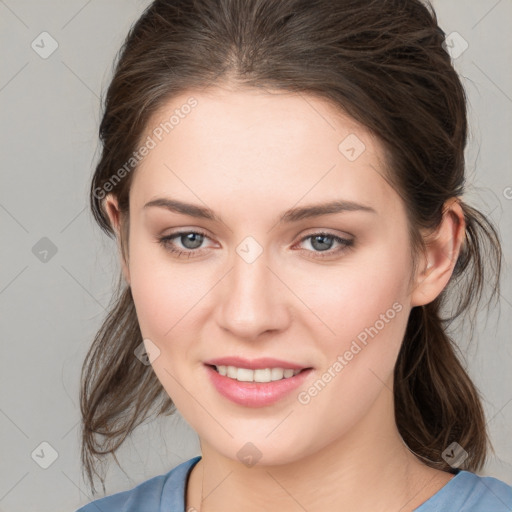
{"points": [[259, 375]]}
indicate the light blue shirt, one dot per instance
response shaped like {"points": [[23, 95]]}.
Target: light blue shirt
{"points": [[465, 492]]}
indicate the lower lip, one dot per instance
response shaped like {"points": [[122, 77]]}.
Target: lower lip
{"points": [[255, 394]]}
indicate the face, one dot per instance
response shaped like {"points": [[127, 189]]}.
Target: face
{"points": [[260, 281]]}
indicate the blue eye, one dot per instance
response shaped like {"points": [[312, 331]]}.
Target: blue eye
{"points": [[192, 241], [324, 241]]}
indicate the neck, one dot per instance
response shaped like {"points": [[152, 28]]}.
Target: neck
{"points": [[368, 469]]}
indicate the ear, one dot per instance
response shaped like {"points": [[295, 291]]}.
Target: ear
{"points": [[114, 214], [442, 250]]}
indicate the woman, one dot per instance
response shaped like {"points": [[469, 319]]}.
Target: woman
{"points": [[285, 181]]}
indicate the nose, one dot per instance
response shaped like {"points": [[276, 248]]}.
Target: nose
{"points": [[253, 301]]}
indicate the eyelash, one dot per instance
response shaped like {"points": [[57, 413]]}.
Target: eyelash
{"points": [[168, 246]]}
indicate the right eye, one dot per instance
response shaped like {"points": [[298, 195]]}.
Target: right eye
{"points": [[192, 238]]}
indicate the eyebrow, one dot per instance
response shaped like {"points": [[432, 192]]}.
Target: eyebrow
{"points": [[292, 215]]}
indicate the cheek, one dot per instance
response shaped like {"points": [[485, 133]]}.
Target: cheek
{"points": [[365, 304], [369, 318], [352, 297], [172, 299]]}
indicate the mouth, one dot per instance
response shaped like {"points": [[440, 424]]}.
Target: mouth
{"points": [[263, 386], [261, 375]]}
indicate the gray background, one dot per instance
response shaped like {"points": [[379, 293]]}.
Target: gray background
{"points": [[52, 304]]}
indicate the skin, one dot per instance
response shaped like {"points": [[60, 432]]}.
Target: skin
{"points": [[249, 156]]}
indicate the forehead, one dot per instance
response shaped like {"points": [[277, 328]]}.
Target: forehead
{"points": [[270, 147]]}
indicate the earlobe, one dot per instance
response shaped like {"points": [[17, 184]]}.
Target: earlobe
{"points": [[114, 215], [442, 250]]}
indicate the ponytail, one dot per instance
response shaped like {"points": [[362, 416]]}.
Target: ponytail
{"points": [[436, 403]]}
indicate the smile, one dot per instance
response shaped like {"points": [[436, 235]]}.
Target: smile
{"points": [[258, 387], [259, 375]]}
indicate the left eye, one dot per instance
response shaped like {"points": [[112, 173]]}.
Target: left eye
{"points": [[318, 241], [192, 241]]}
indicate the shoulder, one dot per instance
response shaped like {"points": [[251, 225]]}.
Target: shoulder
{"points": [[468, 492], [483, 493], [163, 492]]}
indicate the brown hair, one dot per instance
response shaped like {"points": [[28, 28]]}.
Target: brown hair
{"points": [[383, 63]]}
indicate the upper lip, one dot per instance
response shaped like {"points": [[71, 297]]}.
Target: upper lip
{"points": [[254, 364]]}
